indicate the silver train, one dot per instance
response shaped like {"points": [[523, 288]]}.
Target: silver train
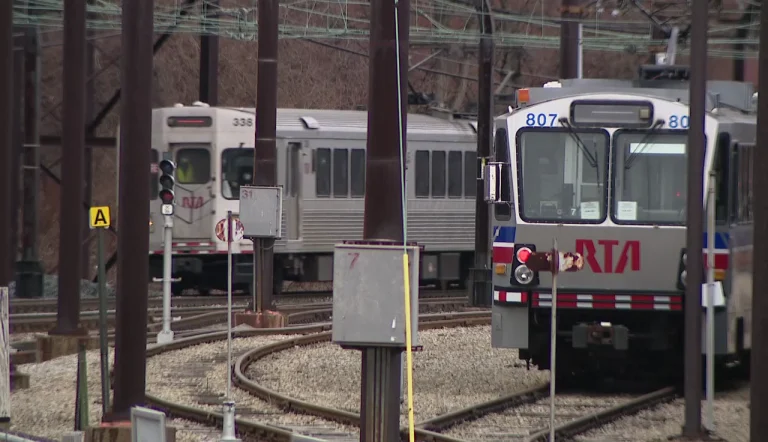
{"points": [[600, 166], [321, 166]]}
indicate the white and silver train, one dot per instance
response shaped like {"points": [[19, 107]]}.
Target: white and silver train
{"points": [[321, 156], [600, 165]]}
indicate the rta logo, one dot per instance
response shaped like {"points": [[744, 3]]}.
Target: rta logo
{"points": [[192, 202], [630, 254]]}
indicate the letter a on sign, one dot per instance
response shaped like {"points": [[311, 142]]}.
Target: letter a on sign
{"points": [[100, 218]]}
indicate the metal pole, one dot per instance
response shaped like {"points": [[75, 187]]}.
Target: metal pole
{"points": [[569, 40], [88, 152], [553, 341], [228, 426], [265, 158], [209, 55], [135, 132], [229, 302], [166, 335], [695, 227], [18, 136], [30, 280], [758, 390], [383, 218], [580, 53], [481, 274], [6, 153], [73, 147], [103, 344], [5, 360], [710, 416]]}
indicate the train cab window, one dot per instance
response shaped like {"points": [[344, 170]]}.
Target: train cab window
{"points": [[745, 181], [470, 175], [193, 166], [340, 173], [357, 173], [236, 171], [422, 173], [438, 174], [323, 172], [455, 182], [154, 185]]}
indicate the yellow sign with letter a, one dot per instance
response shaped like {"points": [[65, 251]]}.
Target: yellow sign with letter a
{"points": [[100, 218]]}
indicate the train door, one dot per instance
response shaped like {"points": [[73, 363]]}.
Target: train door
{"points": [[194, 196], [292, 194]]}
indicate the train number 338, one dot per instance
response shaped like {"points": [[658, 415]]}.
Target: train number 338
{"points": [[539, 120]]}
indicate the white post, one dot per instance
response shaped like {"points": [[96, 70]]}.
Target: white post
{"points": [[553, 342], [228, 427], [710, 394], [166, 334], [580, 57], [5, 360]]}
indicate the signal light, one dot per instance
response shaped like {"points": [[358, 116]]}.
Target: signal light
{"points": [[167, 182], [523, 254]]}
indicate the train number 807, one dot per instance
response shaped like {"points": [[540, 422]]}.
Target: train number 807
{"points": [[539, 120]]}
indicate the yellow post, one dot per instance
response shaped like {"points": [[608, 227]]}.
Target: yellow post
{"points": [[408, 347]]}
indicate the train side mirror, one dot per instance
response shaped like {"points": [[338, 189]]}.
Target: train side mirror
{"points": [[492, 175]]}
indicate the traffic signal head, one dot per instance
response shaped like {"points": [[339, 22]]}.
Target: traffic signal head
{"points": [[167, 168]]}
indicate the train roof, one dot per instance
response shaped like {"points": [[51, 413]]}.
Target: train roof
{"points": [[731, 94], [337, 120]]}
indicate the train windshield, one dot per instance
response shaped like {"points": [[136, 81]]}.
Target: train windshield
{"points": [[236, 171], [562, 175], [649, 177]]}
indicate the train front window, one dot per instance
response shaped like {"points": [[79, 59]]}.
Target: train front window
{"points": [[649, 177], [562, 175], [236, 171]]}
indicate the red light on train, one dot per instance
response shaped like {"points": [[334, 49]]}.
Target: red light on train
{"points": [[523, 254]]}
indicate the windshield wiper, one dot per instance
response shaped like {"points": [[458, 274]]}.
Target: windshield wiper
{"points": [[631, 158], [592, 160]]}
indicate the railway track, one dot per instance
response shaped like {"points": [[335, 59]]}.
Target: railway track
{"points": [[48, 305], [251, 430], [300, 313], [430, 430]]}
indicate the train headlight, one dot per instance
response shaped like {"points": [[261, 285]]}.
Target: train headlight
{"points": [[523, 275], [685, 259], [683, 276], [151, 225]]}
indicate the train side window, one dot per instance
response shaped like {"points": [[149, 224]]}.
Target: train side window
{"points": [[340, 173], [422, 173], [293, 169], [154, 185], [470, 175], [193, 166], [501, 147], [722, 156], [455, 182], [323, 172], [733, 184], [357, 173], [438, 173]]}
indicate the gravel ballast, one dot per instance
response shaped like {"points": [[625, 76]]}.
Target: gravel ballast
{"points": [[457, 368], [197, 376]]}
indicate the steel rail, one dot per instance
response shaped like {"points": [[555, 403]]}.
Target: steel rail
{"points": [[598, 419]]}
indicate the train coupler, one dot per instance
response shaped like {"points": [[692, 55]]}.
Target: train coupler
{"points": [[602, 334]]}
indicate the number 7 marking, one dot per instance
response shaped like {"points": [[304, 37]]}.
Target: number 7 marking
{"points": [[554, 117], [354, 256]]}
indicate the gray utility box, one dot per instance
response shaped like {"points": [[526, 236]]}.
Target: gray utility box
{"points": [[369, 297], [261, 209]]}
